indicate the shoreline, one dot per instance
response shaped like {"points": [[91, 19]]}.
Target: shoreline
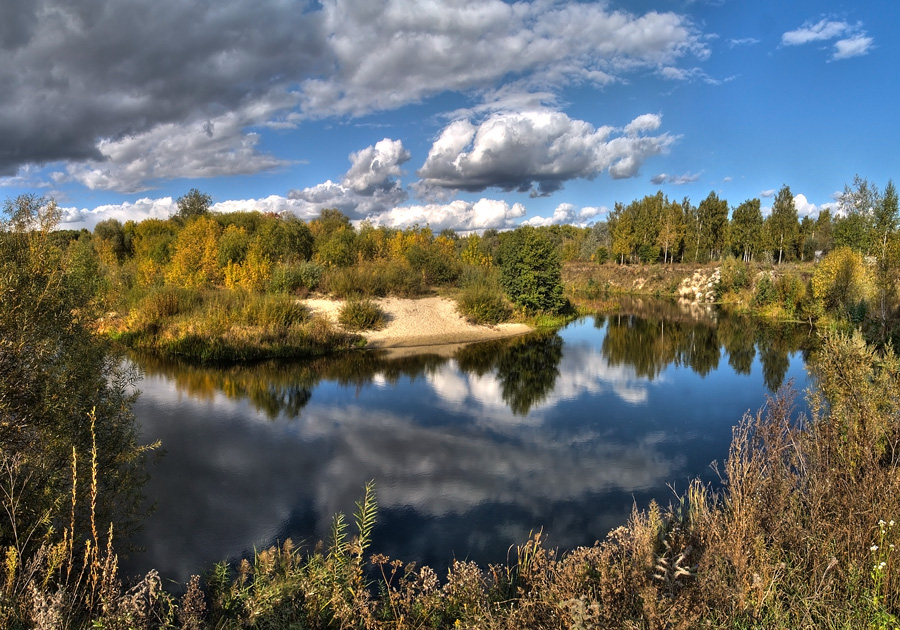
{"points": [[429, 322]]}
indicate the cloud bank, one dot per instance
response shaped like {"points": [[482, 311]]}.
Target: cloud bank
{"points": [[122, 95]]}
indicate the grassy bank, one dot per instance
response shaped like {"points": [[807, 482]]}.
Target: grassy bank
{"points": [[223, 325]]}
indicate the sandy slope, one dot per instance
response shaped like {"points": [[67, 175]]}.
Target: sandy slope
{"points": [[426, 321]]}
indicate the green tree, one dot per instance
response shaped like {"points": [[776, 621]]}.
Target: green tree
{"points": [[693, 232], [334, 239], [192, 205], [857, 206], [671, 229], [713, 216], [885, 217], [622, 232], [782, 226], [55, 374], [112, 232], [887, 249], [805, 232], [530, 270], [745, 230], [647, 215], [823, 233], [233, 246], [285, 239]]}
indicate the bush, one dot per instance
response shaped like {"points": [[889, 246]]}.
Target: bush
{"points": [[791, 292], [361, 315], [765, 293], [733, 276], [374, 279], [839, 279], [437, 267], [167, 302], [295, 278], [273, 311], [483, 304]]}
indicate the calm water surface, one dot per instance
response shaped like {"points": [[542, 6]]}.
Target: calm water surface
{"points": [[469, 452]]}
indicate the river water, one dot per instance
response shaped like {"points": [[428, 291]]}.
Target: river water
{"points": [[470, 449]]}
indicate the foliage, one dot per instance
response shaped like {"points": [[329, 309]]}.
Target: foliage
{"points": [[854, 227], [765, 293], [360, 315], [791, 293], [530, 271], [295, 278], [782, 226], [746, 229], [195, 259], [839, 279], [285, 239], [481, 300], [233, 245], [712, 215], [63, 396], [734, 275], [192, 205], [374, 279]]}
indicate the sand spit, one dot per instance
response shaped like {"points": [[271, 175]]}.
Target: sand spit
{"points": [[413, 323]]}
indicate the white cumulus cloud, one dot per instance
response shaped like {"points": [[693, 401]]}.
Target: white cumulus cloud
{"points": [[458, 215], [215, 147], [852, 47], [146, 208], [368, 187], [537, 151], [375, 167], [853, 41], [803, 206], [567, 214]]}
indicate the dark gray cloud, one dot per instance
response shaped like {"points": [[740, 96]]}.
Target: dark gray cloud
{"points": [[76, 73]]}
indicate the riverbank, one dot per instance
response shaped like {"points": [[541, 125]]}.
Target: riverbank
{"points": [[778, 292], [215, 326]]}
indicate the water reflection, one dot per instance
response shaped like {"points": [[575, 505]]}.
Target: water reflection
{"points": [[563, 431]]}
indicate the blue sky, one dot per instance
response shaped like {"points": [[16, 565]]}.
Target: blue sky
{"points": [[459, 114]]}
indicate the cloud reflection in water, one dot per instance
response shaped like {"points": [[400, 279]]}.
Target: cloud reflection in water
{"points": [[458, 470]]}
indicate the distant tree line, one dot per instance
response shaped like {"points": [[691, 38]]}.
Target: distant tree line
{"points": [[656, 229], [198, 249]]}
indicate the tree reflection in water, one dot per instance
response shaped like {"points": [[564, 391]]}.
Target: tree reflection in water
{"points": [[526, 367]]}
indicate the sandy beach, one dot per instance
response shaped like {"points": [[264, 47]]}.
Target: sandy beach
{"points": [[413, 323]]}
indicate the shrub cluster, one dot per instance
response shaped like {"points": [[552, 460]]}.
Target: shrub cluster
{"points": [[359, 315], [481, 300]]}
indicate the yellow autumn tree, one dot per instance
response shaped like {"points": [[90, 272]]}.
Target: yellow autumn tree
{"points": [[195, 260], [839, 280], [253, 273]]}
